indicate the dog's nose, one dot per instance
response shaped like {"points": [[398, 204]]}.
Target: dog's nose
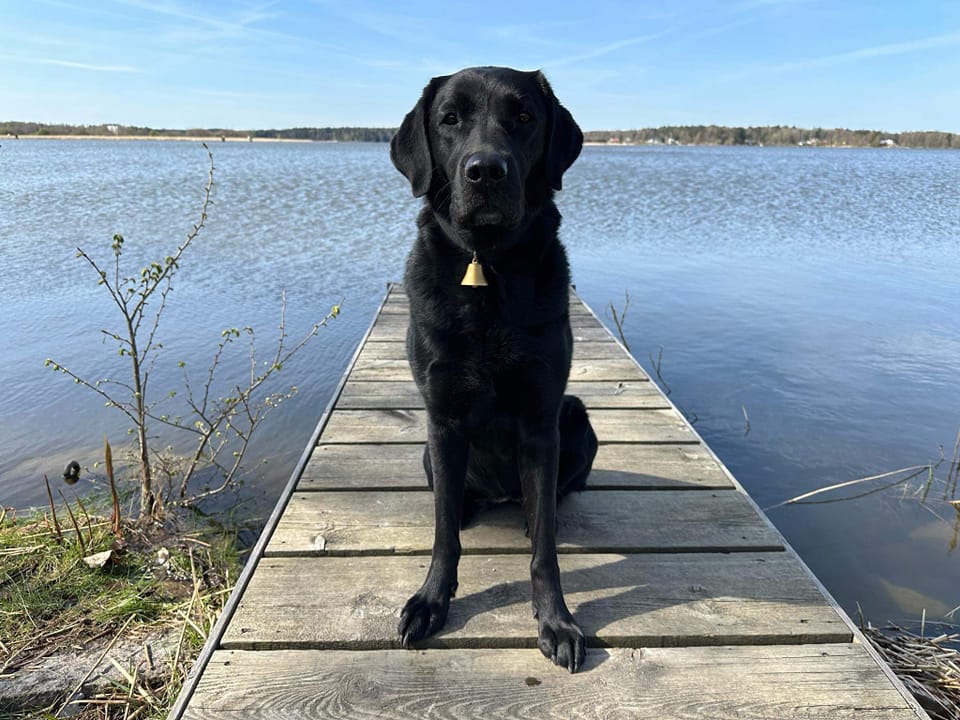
{"points": [[485, 166]]}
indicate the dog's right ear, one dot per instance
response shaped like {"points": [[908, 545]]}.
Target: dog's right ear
{"points": [[410, 146]]}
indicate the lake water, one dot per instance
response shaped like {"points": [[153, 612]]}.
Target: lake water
{"points": [[815, 292]]}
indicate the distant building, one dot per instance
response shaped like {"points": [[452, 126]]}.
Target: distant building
{"points": [[888, 142], [113, 129]]}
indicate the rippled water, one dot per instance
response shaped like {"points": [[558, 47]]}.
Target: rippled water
{"points": [[815, 292]]}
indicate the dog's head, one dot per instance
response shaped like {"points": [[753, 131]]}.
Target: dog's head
{"points": [[487, 146]]}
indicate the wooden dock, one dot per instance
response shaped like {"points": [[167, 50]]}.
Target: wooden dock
{"points": [[692, 604]]}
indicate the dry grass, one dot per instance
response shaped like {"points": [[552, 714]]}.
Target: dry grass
{"points": [[153, 579], [928, 666]]}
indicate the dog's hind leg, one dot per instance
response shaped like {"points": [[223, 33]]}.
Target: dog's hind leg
{"points": [[578, 447]]}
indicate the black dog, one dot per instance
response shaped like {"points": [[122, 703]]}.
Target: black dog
{"points": [[488, 147]]}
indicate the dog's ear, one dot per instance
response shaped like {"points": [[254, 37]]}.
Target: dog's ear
{"points": [[410, 146], [564, 137]]}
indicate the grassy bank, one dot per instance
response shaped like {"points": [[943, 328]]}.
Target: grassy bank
{"points": [[102, 619]]}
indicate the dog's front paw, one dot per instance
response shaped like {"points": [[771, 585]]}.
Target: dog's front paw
{"points": [[561, 640], [422, 616]]}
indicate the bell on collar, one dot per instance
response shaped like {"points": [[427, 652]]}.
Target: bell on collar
{"points": [[473, 277]]}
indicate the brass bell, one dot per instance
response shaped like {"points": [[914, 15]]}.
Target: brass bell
{"points": [[473, 277]]}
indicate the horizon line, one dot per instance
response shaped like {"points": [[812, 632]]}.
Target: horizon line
{"points": [[395, 127]]}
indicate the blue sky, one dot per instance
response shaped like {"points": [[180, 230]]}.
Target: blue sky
{"points": [[172, 63]]}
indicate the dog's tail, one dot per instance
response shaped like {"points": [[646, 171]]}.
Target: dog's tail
{"points": [[578, 446]]}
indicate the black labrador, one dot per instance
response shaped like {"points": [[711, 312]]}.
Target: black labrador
{"points": [[488, 147]]}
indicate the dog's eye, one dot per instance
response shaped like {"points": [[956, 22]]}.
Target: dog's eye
{"points": [[450, 119], [525, 117]]}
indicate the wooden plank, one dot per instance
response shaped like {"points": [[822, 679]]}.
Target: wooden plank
{"points": [[404, 426], [803, 682], [621, 368], [644, 467], [396, 306], [399, 319], [592, 350], [618, 600], [378, 523], [364, 467], [620, 467], [386, 394], [396, 394], [616, 369], [386, 330]]}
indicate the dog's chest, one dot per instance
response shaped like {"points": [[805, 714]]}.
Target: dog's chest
{"points": [[491, 340], [503, 335]]}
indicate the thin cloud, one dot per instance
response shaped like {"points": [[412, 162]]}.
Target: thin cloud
{"points": [[71, 64], [886, 50], [533, 34], [756, 4], [230, 27], [605, 49], [408, 28]]}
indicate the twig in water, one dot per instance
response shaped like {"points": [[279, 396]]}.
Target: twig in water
{"points": [[619, 319], [914, 469], [954, 474], [656, 368], [746, 420]]}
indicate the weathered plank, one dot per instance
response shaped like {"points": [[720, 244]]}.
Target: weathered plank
{"points": [[404, 426], [396, 394], [364, 467], [375, 523], [642, 467], [803, 682], [398, 319], [618, 466], [618, 600], [386, 330], [592, 350], [369, 368], [397, 306]]}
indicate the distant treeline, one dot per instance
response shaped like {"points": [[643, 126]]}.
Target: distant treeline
{"points": [[341, 134], [328, 134], [774, 135], [682, 135]]}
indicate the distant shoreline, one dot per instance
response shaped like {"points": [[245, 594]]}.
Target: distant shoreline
{"points": [[211, 140], [214, 140], [178, 138], [687, 135]]}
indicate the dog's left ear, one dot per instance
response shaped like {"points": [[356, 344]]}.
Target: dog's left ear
{"points": [[410, 146], [564, 137]]}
